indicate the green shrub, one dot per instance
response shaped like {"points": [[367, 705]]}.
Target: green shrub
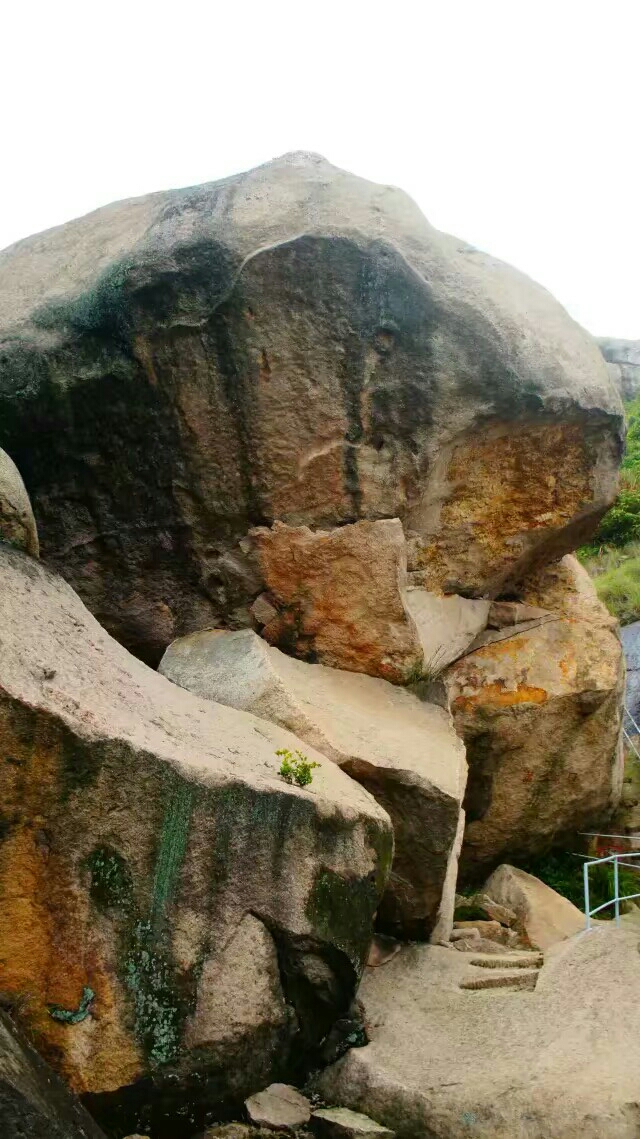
{"points": [[295, 767], [619, 589], [621, 524]]}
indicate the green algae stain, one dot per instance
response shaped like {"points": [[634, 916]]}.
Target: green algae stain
{"points": [[153, 983], [74, 1016], [111, 882], [161, 995], [173, 843], [341, 910]]}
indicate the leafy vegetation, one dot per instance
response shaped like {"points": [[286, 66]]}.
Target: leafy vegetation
{"points": [[564, 873], [295, 767]]}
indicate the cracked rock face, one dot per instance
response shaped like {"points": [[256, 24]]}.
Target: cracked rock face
{"points": [[167, 901], [291, 344]]}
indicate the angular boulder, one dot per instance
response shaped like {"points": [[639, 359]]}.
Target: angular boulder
{"points": [[279, 1108], [543, 916], [17, 524], [340, 596], [34, 1103], [405, 752], [540, 714], [168, 904], [294, 344]]}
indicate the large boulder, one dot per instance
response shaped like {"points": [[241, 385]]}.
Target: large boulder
{"points": [[496, 1063], [543, 917], [34, 1103], [405, 752], [168, 904], [291, 344], [17, 524], [540, 713]]}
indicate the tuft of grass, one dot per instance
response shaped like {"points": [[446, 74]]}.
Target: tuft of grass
{"points": [[616, 576], [296, 767]]}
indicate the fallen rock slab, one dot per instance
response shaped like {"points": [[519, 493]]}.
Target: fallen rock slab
{"points": [[278, 1108], [443, 1061], [543, 916], [167, 900], [34, 1103], [341, 1123], [405, 752]]}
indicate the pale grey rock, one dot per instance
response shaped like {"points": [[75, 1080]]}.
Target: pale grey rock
{"points": [[341, 1123], [501, 1063], [402, 750], [279, 1108], [169, 815]]}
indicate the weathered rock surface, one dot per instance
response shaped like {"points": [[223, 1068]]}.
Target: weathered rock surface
{"points": [[279, 1108], [34, 1103], [340, 596], [167, 902], [341, 1123], [540, 714], [17, 524], [497, 1063], [291, 344], [623, 362], [405, 752], [543, 916]]}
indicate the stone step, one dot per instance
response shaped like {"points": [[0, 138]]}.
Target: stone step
{"points": [[519, 979], [512, 961]]}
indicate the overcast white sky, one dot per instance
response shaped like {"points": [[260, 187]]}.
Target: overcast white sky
{"points": [[513, 123]]}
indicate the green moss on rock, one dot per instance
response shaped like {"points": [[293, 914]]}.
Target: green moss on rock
{"points": [[341, 911]]}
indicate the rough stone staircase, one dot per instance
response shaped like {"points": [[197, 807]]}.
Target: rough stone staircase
{"points": [[515, 971]]}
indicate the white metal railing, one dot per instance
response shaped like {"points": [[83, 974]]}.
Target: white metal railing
{"points": [[617, 860]]}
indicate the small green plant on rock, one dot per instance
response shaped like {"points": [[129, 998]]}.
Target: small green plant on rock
{"points": [[296, 768]]}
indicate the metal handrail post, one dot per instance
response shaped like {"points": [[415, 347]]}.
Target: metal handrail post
{"points": [[585, 871], [616, 888]]}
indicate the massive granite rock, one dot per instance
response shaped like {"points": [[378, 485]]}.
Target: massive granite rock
{"points": [[447, 1062], [539, 708], [34, 1103], [168, 905], [405, 752], [17, 524], [623, 361], [290, 344]]}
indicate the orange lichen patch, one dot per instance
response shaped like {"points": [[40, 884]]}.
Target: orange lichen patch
{"points": [[341, 596], [48, 952], [497, 695], [505, 486]]}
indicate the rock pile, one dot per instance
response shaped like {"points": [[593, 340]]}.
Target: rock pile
{"points": [[327, 465]]}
